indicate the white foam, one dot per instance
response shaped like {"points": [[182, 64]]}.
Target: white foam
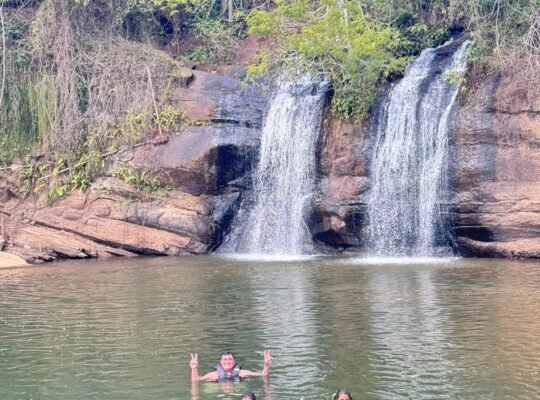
{"points": [[376, 260], [268, 257]]}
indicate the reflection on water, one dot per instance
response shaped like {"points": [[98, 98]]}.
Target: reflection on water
{"points": [[410, 338], [461, 329], [227, 390]]}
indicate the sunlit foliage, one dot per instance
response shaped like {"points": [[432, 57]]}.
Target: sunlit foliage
{"points": [[336, 38]]}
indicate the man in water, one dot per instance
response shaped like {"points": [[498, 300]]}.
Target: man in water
{"points": [[228, 368]]}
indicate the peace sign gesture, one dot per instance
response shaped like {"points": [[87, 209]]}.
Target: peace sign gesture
{"points": [[267, 358], [194, 362]]}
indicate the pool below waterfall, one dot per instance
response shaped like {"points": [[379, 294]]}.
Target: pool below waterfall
{"points": [[386, 329]]}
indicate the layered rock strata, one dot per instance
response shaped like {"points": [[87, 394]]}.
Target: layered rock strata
{"points": [[496, 169]]}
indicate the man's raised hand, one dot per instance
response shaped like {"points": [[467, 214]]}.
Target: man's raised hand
{"points": [[267, 358], [194, 362]]}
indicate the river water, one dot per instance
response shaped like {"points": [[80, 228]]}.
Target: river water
{"points": [[408, 329]]}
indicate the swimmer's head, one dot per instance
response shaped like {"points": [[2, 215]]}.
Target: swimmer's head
{"points": [[343, 394], [249, 396]]}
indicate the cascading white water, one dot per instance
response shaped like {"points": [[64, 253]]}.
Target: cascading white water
{"points": [[407, 170], [284, 178]]}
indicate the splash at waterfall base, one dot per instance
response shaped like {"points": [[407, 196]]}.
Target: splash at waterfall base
{"points": [[493, 177]]}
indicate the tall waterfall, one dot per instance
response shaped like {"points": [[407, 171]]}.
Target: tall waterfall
{"points": [[408, 166], [284, 178]]}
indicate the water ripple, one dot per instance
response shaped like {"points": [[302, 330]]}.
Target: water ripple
{"points": [[462, 330]]}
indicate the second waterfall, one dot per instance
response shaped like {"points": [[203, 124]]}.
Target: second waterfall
{"points": [[408, 169], [274, 223]]}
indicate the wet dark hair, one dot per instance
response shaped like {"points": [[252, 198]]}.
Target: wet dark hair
{"points": [[249, 396], [228, 353], [343, 391]]}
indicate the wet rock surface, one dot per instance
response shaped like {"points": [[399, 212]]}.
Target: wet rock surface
{"points": [[339, 211], [495, 170]]}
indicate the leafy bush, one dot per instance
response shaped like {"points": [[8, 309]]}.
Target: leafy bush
{"points": [[335, 38], [218, 39], [142, 179]]}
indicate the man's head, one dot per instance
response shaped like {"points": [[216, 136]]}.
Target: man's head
{"points": [[343, 394], [227, 361], [249, 396]]}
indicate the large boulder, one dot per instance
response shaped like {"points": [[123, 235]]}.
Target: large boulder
{"points": [[221, 99], [8, 260], [203, 159], [111, 219]]}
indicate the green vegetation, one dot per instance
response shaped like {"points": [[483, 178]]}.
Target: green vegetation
{"points": [[362, 45], [217, 41], [337, 39], [142, 180], [82, 79], [75, 90], [94, 155]]}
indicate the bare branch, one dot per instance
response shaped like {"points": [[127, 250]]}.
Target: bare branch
{"points": [[3, 54]]}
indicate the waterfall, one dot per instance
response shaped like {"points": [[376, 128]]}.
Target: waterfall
{"points": [[283, 181], [408, 167]]}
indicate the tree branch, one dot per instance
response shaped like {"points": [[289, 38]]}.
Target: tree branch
{"points": [[3, 54]]}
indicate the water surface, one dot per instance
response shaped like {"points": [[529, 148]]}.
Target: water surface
{"points": [[123, 329]]}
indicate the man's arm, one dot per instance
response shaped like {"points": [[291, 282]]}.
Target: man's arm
{"points": [[244, 373], [194, 364], [266, 363], [211, 376]]}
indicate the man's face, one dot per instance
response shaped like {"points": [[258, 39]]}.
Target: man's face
{"points": [[343, 396], [227, 362]]}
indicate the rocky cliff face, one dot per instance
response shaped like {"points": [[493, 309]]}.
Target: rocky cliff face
{"points": [[338, 218], [207, 163], [496, 169], [494, 175]]}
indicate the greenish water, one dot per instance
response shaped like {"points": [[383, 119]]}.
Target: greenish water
{"points": [[123, 329]]}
